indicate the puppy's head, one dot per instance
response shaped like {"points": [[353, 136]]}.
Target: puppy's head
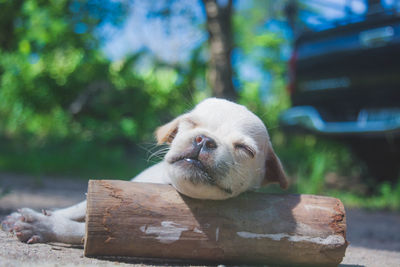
{"points": [[219, 150]]}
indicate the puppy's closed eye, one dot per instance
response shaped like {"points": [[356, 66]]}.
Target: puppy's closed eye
{"points": [[245, 148], [187, 124], [191, 123]]}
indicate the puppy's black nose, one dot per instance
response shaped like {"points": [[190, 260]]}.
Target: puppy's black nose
{"points": [[203, 141]]}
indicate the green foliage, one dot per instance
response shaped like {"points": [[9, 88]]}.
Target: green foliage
{"points": [[55, 83], [263, 47], [70, 157], [387, 198], [42, 65]]}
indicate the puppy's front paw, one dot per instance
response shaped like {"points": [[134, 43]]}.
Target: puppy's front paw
{"points": [[29, 226], [8, 224]]}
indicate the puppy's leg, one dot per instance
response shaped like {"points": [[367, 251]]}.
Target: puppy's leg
{"points": [[52, 226], [34, 227], [64, 225], [76, 212]]}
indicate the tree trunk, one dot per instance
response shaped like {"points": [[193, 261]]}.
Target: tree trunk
{"points": [[155, 221], [219, 26]]}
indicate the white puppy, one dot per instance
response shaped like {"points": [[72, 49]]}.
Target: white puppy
{"points": [[217, 151]]}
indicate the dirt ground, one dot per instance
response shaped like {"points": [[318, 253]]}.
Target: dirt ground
{"points": [[374, 236]]}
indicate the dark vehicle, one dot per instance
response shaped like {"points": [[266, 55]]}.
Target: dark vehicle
{"points": [[345, 84]]}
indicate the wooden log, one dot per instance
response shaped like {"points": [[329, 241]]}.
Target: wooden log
{"points": [[155, 221]]}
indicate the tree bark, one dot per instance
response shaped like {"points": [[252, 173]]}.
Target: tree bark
{"points": [[219, 26], [155, 221]]}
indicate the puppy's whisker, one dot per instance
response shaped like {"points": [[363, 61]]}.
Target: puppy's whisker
{"points": [[150, 146], [149, 149], [158, 154]]}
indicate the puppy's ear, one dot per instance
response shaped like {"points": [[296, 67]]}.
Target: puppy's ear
{"points": [[167, 132], [274, 172]]}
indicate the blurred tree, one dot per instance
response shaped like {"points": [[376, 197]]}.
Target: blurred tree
{"points": [[48, 56], [291, 10], [220, 39], [55, 82], [219, 26]]}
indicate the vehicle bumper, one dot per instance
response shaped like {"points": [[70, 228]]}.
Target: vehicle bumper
{"points": [[308, 118]]}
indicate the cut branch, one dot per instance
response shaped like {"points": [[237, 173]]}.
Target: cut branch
{"points": [[155, 221]]}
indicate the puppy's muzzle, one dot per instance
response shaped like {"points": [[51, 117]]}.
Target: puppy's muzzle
{"points": [[200, 153], [199, 162], [202, 148]]}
